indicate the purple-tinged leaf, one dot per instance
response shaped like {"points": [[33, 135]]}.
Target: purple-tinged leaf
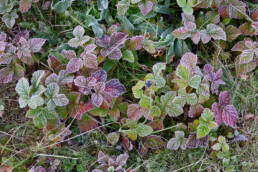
{"points": [[229, 115], [247, 29], [102, 158], [143, 148], [215, 78], [239, 138], [182, 33], [121, 159], [196, 36], [217, 113], [212, 17], [112, 45], [53, 78], [96, 97], [36, 44], [254, 14], [136, 42], [232, 33], [205, 37], [145, 7], [77, 108], [224, 99], [189, 60], [233, 8], [154, 142], [156, 125], [53, 62], [224, 112], [135, 111], [126, 143], [87, 123], [103, 42], [100, 75], [81, 81], [74, 65], [195, 110], [68, 53], [6, 75], [208, 3], [188, 18], [194, 142], [112, 29], [115, 88], [241, 45], [25, 5], [89, 60]]}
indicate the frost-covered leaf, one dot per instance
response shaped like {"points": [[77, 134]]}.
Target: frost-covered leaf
{"points": [[202, 131], [100, 75], [128, 56], [155, 112], [135, 111], [195, 81], [90, 59], [182, 33], [23, 88], [178, 141], [189, 60], [191, 99], [239, 137], [215, 78], [145, 7], [194, 142], [232, 33], [186, 6], [247, 29], [111, 45], [183, 72], [25, 5], [208, 3], [113, 138], [35, 101], [146, 101], [122, 7], [223, 111], [9, 19], [5, 7], [74, 65], [87, 123], [233, 8], [154, 142], [229, 115], [150, 47], [36, 44], [255, 26], [143, 130], [62, 5], [212, 31], [115, 88], [195, 110], [136, 42]]}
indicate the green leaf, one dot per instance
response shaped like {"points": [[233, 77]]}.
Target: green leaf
{"points": [[35, 101], [122, 7], [195, 81], [93, 22], [9, 19], [222, 139], [113, 137], [23, 88], [174, 110], [155, 111], [191, 99], [146, 101], [128, 56], [61, 6], [36, 77], [40, 121], [183, 72], [23, 101], [202, 131], [216, 147], [143, 130], [225, 147], [157, 68]]}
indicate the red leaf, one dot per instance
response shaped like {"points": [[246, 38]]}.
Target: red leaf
{"points": [[87, 123], [229, 115], [25, 5]]}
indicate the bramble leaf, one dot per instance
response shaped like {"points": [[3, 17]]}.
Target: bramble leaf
{"points": [[122, 7], [178, 141], [143, 130], [9, 19], [145, 7], [212, 31], [25, 5]]}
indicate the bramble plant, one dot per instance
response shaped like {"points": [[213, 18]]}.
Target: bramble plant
{"points": [[105, 85]]}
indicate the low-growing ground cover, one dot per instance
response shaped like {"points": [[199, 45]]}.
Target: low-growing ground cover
{"points": [[128, 85]]}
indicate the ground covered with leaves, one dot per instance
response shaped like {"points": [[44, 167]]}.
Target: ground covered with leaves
{"points": [[128, 85]]}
